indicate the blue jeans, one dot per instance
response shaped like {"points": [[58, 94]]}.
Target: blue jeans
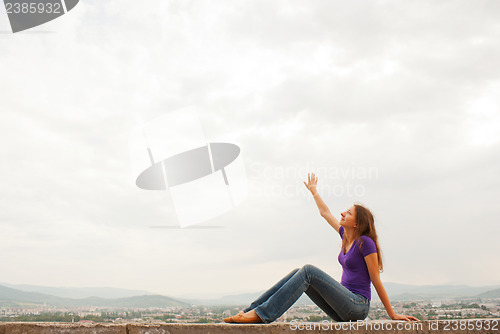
{"points": [[338, 302]]}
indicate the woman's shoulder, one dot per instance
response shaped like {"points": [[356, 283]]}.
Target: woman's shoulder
{"points": [[367, 238], [367, 246]]}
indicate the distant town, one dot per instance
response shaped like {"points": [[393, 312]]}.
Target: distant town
{"points": [[422, 309], [30, 303]]}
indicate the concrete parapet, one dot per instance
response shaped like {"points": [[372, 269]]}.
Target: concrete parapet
{"points": [[60, 328], [465, 326]]}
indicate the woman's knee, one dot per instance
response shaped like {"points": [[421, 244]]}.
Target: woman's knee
{"points": [[310, 269], [309, 266]]}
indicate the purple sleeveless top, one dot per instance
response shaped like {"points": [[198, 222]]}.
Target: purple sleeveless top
{"points": [[355, 276]]}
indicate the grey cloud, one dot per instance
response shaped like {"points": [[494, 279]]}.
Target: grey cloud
{"points": [[385, 84]]}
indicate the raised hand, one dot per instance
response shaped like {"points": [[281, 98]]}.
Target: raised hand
{"points": [[312, 182]]}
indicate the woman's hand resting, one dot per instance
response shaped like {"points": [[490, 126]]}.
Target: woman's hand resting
{"points": [[312, 182], [404, 317]]}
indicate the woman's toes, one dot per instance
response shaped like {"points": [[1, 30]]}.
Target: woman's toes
{"points": [[231, 319]]}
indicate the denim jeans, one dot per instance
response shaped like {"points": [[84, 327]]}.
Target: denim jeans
{"points": [[338, 302]]}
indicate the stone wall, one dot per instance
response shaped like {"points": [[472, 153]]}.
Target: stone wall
{"points": [[369, 327]]}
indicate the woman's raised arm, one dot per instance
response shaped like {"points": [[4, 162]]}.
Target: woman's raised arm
{"points": [[372, 265], [312, 182]]}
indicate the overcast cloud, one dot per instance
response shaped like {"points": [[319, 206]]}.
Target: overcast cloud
{"points": [[394, 104]]}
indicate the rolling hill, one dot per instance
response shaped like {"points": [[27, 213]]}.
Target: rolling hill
{"points": [[10, 297]]}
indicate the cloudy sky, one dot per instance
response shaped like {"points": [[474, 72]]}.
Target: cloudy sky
{"points": [[394, 104]]}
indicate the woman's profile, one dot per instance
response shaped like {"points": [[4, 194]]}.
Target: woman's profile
{"points": [[348, 300]]}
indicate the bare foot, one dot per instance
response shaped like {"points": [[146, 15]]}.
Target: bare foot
{"points": [[250, 317], [230, 319]]}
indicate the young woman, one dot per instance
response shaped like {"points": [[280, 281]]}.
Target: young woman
{"points": [[348, 300]]}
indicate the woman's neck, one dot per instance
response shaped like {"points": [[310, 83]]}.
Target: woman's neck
{"points": [[349, 233]]}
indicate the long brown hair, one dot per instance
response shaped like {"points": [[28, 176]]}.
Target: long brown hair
{"points": [[366, 226]]}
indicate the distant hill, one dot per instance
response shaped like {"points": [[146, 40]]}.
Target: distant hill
{"points": [[129, 302], [13, 298], [71, 292], [14, 295], [403, 292], [490, 294]]}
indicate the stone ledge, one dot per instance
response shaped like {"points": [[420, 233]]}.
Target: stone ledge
{"points": [[465, 326]]}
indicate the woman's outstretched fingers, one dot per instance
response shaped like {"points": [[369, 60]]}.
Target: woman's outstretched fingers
{"points": [[314, 177], [312, 181]]}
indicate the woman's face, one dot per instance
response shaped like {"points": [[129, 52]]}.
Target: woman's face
{"points": [[349, 218]]}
